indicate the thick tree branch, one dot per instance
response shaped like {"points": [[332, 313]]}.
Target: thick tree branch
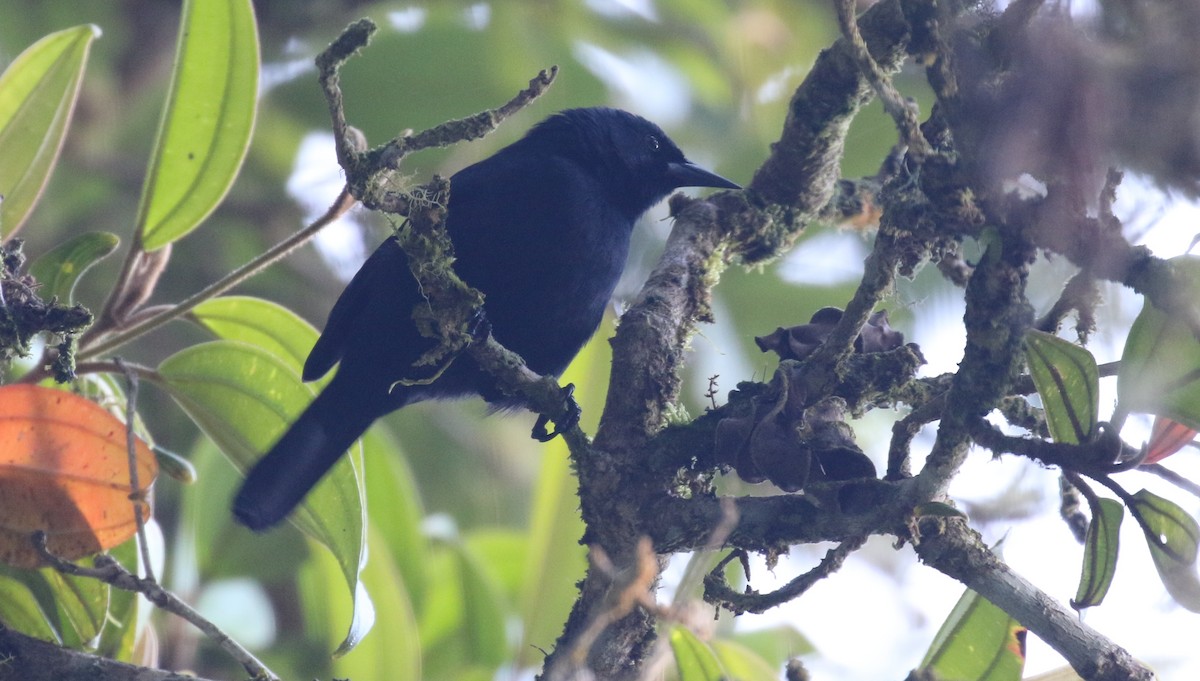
{"points": [[23, 658]]}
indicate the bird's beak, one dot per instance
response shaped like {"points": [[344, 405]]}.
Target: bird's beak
{"points": [[689, 174]]}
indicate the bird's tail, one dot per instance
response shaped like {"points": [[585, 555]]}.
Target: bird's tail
{"points": [[284, 475]]}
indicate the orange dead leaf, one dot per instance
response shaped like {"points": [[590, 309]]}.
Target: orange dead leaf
{"points": [[64, 469], [1166, 438]]}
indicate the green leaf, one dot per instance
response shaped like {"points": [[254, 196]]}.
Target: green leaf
{"points": [[462, 622], [694, 659], [37, 95], [1100, 548], [259, 322], [394, 506], [394, 651], [209, 115], [52, 606], [485, 611], [1068, 381], [126, 620], [82, 605], [776, 644], [742, 663], [60, 268], [441, 616], [243, 398], [21, 609], [1161, 362], [503, 550], [977, 642], [1173, 536]]}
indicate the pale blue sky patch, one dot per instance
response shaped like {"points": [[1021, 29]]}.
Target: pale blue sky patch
{"points": [[640, 81]]}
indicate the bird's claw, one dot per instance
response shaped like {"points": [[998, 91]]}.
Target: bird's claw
{"points": [[569, 421], [480, 326]]}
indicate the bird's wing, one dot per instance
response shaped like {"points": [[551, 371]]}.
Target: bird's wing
{"points": [[384, 275]]}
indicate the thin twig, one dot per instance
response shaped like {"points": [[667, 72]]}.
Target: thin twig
{"points": [[718, 591], [241, 274], [901, 110], [136, 495], [109, 571], [1172, 477]]}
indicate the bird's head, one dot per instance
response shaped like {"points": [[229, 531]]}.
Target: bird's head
{"points": [[633, 158]]}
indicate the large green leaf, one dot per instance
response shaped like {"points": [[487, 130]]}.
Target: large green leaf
{"points": [[977, 642], [394, 506], [37, 95], [694, 659], [74, 608], [1068, 381], [1100, 548], [259, 322], [206, 123], [59, 269], [463, 619], [1174, 537], [742, 663], [21, 609], [1160, 366], [243, 397], [394, 651]]}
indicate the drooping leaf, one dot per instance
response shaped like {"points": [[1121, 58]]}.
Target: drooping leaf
{"points": [[1160, 367], [1068, 381], [1100, 548], [243, 397], [977, 642], [206, 123], [1173, 536], [59, 269], [37, 95], [1166, 438], [694, 659], [394, 650], [64, 469], [394, 506]]}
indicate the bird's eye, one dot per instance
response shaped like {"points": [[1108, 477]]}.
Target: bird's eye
{"points": [[652, 142]]}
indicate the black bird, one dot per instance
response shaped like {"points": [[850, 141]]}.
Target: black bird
{"points": [[541, 228]]}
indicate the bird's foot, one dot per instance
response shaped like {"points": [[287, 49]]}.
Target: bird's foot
{"points": [[573, 412], [480, 326]]}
